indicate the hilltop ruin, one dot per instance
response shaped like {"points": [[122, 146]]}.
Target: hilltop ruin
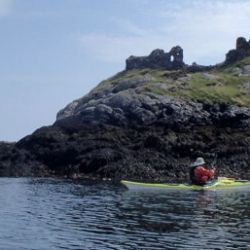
{"points": [[173, 60]]}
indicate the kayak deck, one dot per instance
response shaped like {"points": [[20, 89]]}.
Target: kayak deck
{"points": [[221, 183]]}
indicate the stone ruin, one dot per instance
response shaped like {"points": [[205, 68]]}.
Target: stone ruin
{"points": [[171, 60], [242, 50], [158, 59]]}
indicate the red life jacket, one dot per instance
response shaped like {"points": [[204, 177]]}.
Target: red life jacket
{"points": [[199, 175]]}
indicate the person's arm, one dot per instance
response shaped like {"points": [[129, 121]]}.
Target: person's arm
{"points": [[205, 171], [211, 172]]}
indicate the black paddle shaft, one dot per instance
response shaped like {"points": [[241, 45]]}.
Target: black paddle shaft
{"points": [[214, 163]]}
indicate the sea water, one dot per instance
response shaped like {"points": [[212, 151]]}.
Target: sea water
{"points": [[50, 214]]}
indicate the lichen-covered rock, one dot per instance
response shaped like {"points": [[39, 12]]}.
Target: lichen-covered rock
{"points": [[246, 70]]}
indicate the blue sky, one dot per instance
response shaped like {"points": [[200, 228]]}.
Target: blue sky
{"points": [[55, 51]]}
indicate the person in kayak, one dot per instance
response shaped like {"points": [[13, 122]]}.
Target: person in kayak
{"points": [[199, 174]]}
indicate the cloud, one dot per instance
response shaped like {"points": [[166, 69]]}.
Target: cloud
{"points": [[205, 29], [5, 7]]}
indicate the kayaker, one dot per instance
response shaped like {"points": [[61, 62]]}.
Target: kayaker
{"points": [[199, 174]]}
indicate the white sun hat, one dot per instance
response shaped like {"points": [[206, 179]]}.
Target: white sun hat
{"points": [[198, 162]]}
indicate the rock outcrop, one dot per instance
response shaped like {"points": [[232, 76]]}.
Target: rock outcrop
{"points": [[140, 136], [130, 109], [137, 125]]}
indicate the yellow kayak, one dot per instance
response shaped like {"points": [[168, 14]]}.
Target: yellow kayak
{"points": [[220, 183]]}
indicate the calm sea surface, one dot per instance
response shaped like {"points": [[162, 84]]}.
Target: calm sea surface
{"points": [[59, 214]]}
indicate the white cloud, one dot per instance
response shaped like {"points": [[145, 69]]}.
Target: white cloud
{"points": [[5, 7], [205, 29]]}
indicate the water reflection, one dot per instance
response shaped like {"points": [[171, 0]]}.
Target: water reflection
{"points": [[197, 217], [62, 214]]}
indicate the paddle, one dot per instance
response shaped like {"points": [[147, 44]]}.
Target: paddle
{"points": [[214, 163], [226, 179]]}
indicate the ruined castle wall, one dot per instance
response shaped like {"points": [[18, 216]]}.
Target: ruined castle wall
{"points": [[158, 59], [242, 50]]}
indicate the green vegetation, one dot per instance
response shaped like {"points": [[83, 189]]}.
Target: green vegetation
{"points": [[222, 85], [222, 88], [119, 77]]}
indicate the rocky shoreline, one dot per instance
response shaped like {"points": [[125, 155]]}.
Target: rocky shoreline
{"points": [[122, 130]]}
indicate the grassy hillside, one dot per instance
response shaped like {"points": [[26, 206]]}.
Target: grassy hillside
{"points": [[224, 84]]}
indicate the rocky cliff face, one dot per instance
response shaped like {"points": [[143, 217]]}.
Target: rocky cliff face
{"points": [[145, 123]]}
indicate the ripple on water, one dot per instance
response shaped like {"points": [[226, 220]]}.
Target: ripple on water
{"points": [[60, 214]]}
